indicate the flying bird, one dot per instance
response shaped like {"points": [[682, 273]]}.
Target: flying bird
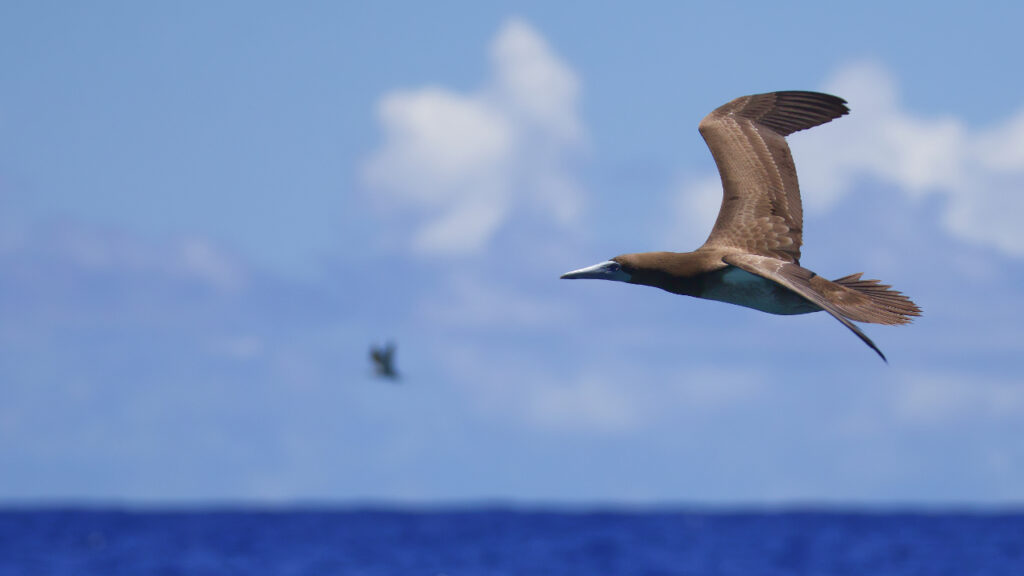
{"points": [[752, 256], [384, 361]]}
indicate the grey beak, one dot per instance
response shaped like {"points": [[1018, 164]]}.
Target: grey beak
{"points": [[607, 270]]}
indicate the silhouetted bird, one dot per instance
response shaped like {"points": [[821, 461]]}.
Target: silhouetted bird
{"points": [[384, 361], [752, 257]]}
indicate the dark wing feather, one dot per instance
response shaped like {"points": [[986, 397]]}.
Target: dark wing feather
{"points": [[761, 211]]}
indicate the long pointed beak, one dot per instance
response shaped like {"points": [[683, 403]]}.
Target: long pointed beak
{"points": [[607, 270], [595, 271]]}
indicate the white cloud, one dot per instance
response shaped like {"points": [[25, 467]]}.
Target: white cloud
{"points": [[198, 258], [603, 394], [590, 403], [98, 250], [980, 172], [533, 83], [463, 163], [939, 399], [469, 300], [596, 400], [694, 209]]}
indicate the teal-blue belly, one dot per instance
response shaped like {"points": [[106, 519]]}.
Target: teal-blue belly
{"points": [[742, 288]]}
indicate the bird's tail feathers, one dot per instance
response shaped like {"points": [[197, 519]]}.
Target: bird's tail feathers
{"points": [[867, 300]]}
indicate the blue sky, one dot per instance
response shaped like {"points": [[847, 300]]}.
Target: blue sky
{"points": [[208, 212]]}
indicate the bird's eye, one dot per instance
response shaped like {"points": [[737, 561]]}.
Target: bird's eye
{"points": [[614, 267]]}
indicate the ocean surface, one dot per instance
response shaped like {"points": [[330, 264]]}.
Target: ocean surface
{"points": [[40, 542]]}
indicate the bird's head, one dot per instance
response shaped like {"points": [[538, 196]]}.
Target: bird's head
{"points": [[619, 268]]}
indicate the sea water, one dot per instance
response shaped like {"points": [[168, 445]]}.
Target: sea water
{"points": [[490, 541]]}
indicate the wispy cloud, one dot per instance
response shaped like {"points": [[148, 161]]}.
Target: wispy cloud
{"points": [[468, 299], [979, 171], [200, 259], [938, 399], [72, 248], [588, 394], [461, 164], [598, 400]]}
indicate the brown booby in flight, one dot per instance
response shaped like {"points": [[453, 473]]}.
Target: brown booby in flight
{"points": [[384, 361], [752, 257]]}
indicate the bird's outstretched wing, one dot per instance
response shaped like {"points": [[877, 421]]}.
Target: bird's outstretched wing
{"points": [[761, 211]]}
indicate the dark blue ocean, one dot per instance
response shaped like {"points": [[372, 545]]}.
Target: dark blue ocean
{"points": [[506, 542]]}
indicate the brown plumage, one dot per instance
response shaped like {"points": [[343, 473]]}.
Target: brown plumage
{"points": [[752, 256]]}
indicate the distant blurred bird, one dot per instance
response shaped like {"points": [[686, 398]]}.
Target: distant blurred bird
{"points": [[384, 361], [752, 257]]}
